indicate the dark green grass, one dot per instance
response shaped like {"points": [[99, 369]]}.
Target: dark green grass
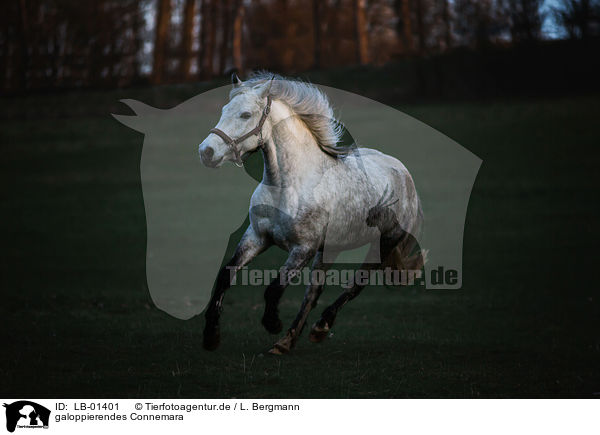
{"points": [[77, 318]]}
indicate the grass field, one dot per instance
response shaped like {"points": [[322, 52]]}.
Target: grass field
{"points": [[78, 321]]}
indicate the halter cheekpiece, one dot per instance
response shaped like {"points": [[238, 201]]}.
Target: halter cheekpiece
{"points": [[256, 131]]}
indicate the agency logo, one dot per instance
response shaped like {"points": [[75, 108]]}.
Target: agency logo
{"points": [[192, 209], [25, 414]]}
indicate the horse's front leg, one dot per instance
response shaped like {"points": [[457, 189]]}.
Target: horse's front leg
{"points": [[311, 295], [249, 247], [298, 258]]}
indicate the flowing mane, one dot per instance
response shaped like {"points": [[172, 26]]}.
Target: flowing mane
{"points": [[308, 102]]}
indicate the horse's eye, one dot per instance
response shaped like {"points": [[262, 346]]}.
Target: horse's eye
{"points": [[245, 115]]}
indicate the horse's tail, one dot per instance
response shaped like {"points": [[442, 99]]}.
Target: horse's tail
{"points": [[403, 258], [407, 255]]}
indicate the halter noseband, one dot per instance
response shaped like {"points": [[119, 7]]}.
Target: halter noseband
{"points": [[256, 131]]}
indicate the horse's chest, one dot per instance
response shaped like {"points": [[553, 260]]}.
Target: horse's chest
{"points": [[279, 225]]}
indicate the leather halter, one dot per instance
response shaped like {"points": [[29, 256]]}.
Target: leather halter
{"points": [[256, 131]]}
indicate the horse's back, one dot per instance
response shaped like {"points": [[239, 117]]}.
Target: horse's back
{"points": [[390, 177], [380, 168], [356, 184]]}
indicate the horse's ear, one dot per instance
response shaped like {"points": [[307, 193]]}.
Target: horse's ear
{"points": [[144, 115], [270, 85], [265, 88], [235, 80]]}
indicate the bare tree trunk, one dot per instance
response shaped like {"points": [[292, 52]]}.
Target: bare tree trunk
{"points": [[22, 55], [316, 15], [420, 25], [203, 36], [186, 40], [447, 24], [112, 61], [138, 24], [362, 38], [407, 21], [225, 35], [207, 43], [163, 17], [238, 26], [287, 51], [55, 75]]}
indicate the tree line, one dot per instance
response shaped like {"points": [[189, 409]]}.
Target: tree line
{"points": [[112, 43]]}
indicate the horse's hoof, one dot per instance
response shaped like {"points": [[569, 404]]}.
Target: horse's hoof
{"points": [[318, 333], [280, 348], [284, 345], [276, 351], [272, 324], [211, 340]]}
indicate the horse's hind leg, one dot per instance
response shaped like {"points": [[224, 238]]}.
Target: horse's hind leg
{"points": [[321, 328], [311, 295], [298, 258], [248, 248]]}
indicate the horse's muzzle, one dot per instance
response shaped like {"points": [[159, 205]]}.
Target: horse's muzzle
{"points": [[207, 154]]}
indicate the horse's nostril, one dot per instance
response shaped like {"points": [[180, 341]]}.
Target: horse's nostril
{"points": [[207, 153]]}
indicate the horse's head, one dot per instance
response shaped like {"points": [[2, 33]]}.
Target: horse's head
{"points": [[239, 117]]}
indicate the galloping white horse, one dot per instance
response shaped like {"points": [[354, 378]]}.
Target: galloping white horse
{"points": [[314, 197]]}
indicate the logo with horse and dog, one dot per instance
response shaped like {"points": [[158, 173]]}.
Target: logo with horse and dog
{"points": [[25, 414]]}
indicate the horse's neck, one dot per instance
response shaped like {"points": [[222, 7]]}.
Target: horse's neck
{"points": [[291, 151]]}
